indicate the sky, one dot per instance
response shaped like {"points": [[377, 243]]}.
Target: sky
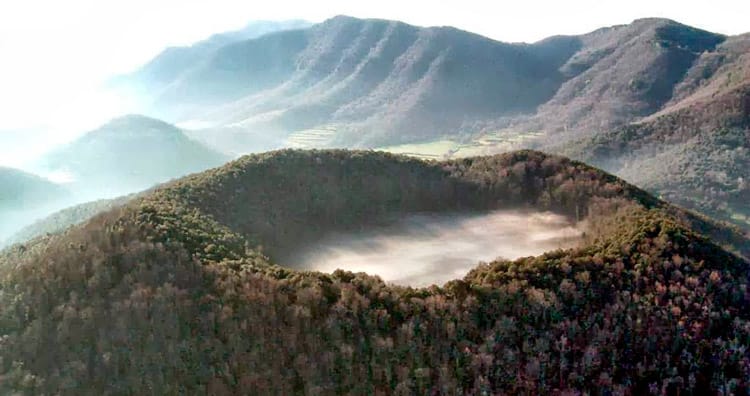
{"points": [[56, 54]]}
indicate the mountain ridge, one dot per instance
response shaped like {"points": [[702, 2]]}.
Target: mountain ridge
{"points": [[172, 62]]}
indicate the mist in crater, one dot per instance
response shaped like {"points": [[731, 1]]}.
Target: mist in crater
{"points": [[420, 250]]}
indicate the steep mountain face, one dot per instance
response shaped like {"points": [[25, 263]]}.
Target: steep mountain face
{"points": [[129, 154], [621, 74], [696, 150], [174, 62], [715, 73], [371, 82], [367, 81], [171, 294]]}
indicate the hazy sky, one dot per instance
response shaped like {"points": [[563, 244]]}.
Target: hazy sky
{"points": [[56, 53]]}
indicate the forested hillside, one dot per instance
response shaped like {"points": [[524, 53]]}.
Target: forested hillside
{"points": [[620, 75], [177, 291]]}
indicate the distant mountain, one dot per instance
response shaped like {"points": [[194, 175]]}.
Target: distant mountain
{"points": [[129, 154], [714, 73], [22, 190], [366, 81], [621, 74], [66, 218], [696, 149], [25, 197], [172, 63], [188, 276]]}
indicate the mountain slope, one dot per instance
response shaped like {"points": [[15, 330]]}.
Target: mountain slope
{"points": [[697, 156], [375, 82], [22, 190], [621, 74], [715, 73], [696, 150], [174, 62], [24, 196], [60, 221], [350, 82], [169, 294], [371, 81], [129, 154]]}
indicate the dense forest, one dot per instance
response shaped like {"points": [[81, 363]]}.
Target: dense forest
{"points": [[65, 218], [178, 291]]}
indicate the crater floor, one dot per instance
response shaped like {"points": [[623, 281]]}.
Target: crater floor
{"points": [[420, 250]]}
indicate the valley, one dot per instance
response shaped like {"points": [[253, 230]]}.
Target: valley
{"points": [[422, 250]]}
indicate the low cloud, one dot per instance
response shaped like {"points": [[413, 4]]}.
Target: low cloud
{"points": [[432, 249]]}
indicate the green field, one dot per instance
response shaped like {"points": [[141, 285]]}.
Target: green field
{"points": [[486, 144], [311, 138], [438, 149]]}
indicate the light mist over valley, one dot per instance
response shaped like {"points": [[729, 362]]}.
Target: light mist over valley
{"points": [[422, 250]]}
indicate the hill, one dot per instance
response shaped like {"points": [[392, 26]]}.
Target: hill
{"points": [[697, 156], [23, 190], [367, 83], [129, 154], [178, 290]]}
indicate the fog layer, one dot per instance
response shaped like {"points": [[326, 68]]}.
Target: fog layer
{"points": [[421, 250]]}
